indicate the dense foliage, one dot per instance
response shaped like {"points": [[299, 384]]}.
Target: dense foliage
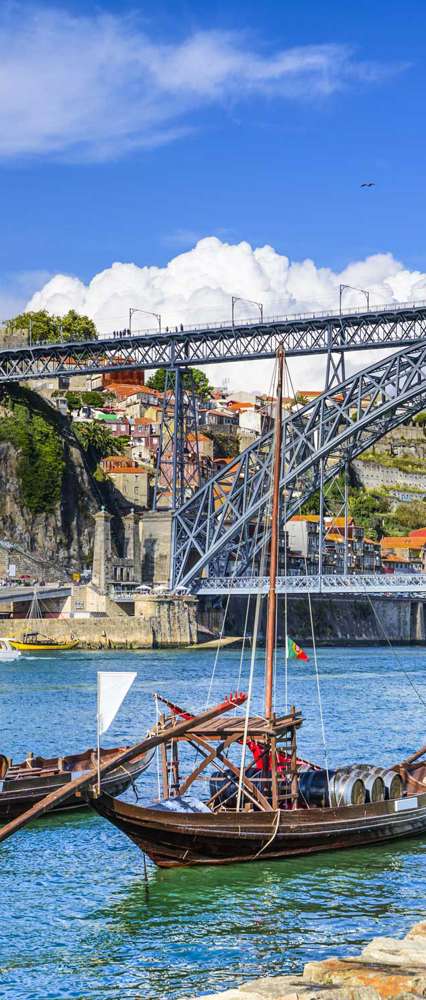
{"points": [[98, 440], [225, 443], [191, 376], [77, 399], [41, 461], [45, 327]]}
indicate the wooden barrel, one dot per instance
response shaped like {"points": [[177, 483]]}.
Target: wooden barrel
{"points": [[347, 788], [373, 781], [393, 783]]}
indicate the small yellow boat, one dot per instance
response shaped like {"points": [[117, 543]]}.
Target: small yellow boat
{"points": [[34, 642]]}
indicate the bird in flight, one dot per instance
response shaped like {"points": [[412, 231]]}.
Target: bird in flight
{"points": [[368, 184]]}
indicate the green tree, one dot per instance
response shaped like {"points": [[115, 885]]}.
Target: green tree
{"points": [[45, 327], [405, 518], [225, 443], [202, 386], [41, 461], [368, 509], [98, 440]]}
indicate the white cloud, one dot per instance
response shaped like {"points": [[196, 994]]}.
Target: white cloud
{"points": [[93, 87], [197, 287]]}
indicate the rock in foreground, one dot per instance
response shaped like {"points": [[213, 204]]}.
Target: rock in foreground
{"points": [[386, 968]]}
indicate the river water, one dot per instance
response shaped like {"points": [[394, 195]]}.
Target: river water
{"points": [[78, 918]]}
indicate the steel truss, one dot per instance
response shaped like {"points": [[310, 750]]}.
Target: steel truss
{"points": [[354, 583], [320, 333], [215, 532], [178, 472]]}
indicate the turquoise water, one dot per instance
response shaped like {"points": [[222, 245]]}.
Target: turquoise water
{"points": [[78, 919]]}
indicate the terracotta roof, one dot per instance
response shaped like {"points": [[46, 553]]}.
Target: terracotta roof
{"points": [[240, 406], [313, 518], [418, 533], [403, 542], [129, 470], [398, 559]]}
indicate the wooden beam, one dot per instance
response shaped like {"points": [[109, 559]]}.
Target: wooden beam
{"points": [[208, 759], [260, 799]]}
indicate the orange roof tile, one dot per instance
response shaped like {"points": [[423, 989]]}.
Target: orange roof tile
{"points": [[401, 542]]}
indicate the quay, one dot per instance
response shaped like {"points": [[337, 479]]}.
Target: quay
{"points": [[386, 968]]}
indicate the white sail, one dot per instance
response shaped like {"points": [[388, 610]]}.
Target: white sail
{"points": [[112, 689]]}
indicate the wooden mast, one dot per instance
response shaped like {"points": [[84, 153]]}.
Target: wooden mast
{"points": [[272, 594]]}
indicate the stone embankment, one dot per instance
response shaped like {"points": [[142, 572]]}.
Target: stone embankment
{"points": [[161, 623], [385, 969]]}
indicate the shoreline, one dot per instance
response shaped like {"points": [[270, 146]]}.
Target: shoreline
{"points": [[387, 968]]}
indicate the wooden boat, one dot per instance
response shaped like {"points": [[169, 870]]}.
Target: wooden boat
{"points": [[28, 782], [35, 642], [279, 806]]}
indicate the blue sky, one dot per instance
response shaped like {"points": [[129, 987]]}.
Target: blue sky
{"points": [[217, 137]]}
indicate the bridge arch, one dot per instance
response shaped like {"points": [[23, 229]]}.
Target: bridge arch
{"points": [[318, 441]]}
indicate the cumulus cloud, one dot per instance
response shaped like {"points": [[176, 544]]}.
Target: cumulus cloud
{"points": [[197, 287], [94, 87]]}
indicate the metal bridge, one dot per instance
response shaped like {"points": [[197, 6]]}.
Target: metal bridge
{"points": [[312, 333], [23, 594], [222, 529]]}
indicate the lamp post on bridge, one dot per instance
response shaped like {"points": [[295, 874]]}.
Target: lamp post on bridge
{"points": [[134, 309], [240, 298], [353, 288]]}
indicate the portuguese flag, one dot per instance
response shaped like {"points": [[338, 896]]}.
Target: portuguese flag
{"points": [[295, 652]]}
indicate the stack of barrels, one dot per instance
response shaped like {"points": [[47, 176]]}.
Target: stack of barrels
{"points": [[349, 786]]}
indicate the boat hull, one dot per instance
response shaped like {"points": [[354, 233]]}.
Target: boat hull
{"points": [[15, 800], [43, 647], [181, 839]]}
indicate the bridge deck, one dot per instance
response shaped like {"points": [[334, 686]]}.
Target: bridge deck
{"points": [[392, 325]]}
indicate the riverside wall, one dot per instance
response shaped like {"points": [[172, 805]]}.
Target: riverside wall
{"points": [[160, 622], [336, 619]]}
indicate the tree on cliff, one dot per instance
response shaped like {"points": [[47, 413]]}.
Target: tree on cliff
{"points": [[191, 376], [97, 440], [45, 327]]}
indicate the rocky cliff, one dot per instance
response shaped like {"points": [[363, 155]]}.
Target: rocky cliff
{"points": [[47, 494]]}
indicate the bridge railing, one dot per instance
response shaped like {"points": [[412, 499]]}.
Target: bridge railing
{"points": [[353, 583], [226, 324]]}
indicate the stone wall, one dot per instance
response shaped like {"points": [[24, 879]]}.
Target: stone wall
{"points": [[336, 619], [373, 475], [156, 533], [158, 622]]}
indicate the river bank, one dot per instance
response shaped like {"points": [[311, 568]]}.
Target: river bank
{"points": [[386, 968], [167, 622]]}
